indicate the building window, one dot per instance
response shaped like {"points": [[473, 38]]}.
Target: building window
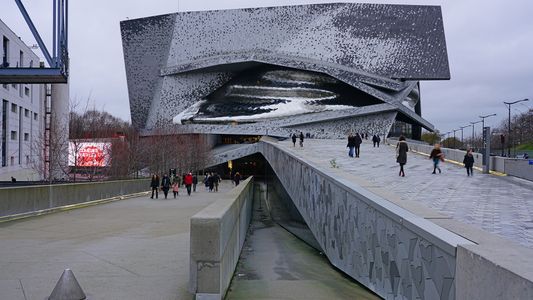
{"points": [[27, 159], [35, 116], [5, 52], [27, 91], [26, 137], [6, 86], [14, 86], [13, 135], [21, 59], [26, 113], [13, 107], [12, 160]]}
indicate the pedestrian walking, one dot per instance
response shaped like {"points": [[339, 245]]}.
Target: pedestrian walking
{"points": [[401, 154], [216, 181], [301, 139], [154, 184], [175, 186], [294, 139], [165, 185], [237, 178], [357, 141], [469, 162], [351, 145], [211, 182], [194, 182], [206, 181], [437, 156], [376, 139], [188, 182]]}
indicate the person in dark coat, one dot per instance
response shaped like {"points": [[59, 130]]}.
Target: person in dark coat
{"points": [[154, 184], [357, 142], [216, 181], [211, 181], [294, 139], [436, 155], [401, 154], [351, 145], [165, 185], [237, 178], [194, 183], [376, 139], [469, 162], [301, 139], [188, 182]]}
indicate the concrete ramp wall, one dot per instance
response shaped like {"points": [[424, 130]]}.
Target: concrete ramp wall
{"points": [[30, 199], [217, 236], [393, 252]]}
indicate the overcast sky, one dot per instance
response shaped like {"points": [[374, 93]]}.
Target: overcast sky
{"points": [[490, 49]]}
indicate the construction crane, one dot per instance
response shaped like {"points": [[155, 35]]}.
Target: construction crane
{"points": [[57, 60]]}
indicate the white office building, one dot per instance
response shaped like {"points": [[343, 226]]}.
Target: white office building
{"points": [[22, 117]]}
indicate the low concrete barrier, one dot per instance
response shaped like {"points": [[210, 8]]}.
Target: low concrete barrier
{"points": [[492, 267], [28, 199], [217, 236], [519, 168]]}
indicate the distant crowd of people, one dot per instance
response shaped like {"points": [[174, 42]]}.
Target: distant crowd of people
{"points": [[189, 180], [436, 155]]}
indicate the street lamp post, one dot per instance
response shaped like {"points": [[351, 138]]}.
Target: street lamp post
{"points": [[463, 127], [509, 125], [473, 131], [455, 130]]}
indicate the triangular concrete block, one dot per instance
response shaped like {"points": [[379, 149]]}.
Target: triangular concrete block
{"points": [[67, 288]]}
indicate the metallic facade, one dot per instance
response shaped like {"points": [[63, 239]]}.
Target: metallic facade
{"points": [[175, 61]]}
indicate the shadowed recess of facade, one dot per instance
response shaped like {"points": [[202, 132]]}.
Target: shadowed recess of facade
{"points": [[285, 68]]}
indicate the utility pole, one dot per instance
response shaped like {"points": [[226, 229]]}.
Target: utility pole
{"points": [[463, 127], [509, 125], [455, 130], [474, 132]]}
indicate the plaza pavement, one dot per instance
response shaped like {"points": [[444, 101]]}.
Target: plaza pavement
{"points": [[130, 249], [500, 205]]}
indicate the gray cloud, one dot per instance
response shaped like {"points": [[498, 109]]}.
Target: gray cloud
{"points": [[489, 47]]}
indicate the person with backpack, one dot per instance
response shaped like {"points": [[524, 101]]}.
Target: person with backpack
{"points": [[294, 139]]}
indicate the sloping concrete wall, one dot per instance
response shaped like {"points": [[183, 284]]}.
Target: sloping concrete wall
{"points": [[217, 236], [391, 251], [27, 199]]}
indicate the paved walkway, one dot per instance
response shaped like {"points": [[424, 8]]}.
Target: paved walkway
{"points": [[501, 205], [130, 249]]}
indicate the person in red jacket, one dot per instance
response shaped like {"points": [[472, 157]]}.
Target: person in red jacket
{"points": [[188, 182]]}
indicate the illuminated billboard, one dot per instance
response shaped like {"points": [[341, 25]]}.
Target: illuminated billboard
{"points": [[88, 154]]}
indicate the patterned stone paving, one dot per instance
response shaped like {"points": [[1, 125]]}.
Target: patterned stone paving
{"points": [[501, 205]]}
